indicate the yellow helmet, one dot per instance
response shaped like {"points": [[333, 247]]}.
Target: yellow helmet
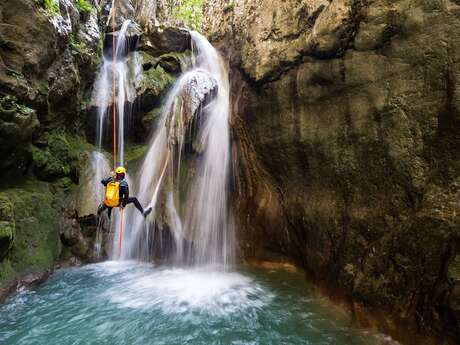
{"points": [[120, 170]]}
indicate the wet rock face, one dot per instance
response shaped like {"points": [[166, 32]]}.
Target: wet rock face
{"points": [[123, 10], [7, 225], [17, 125], [197, 89], [46, 70], [165, 40], [269, 41], [350, 110]]}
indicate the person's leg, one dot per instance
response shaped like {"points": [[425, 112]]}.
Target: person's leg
{"points": [[101, 209], [109, 211], [136, 203]]}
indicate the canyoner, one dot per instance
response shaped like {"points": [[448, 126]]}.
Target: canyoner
{"points": [[117, 194]]}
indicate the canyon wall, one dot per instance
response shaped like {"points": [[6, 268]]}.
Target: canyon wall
{"points": [[346, 148]]}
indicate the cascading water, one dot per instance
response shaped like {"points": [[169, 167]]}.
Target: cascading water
{"points": [[189, 195], [114, 88]]}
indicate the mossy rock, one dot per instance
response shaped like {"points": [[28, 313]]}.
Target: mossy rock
{"points": [[156, 81], [454, 269], [150, 118], [36, 240], [57, 159], [17, 124], [171, 63], [7, 225]]}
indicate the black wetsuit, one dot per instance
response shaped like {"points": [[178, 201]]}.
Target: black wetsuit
{"points": [[123, 197]]}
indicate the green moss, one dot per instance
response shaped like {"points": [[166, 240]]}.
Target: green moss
{"points": [[84, 6], [157, 80], [454, 268], [48, 166], [36, 241], [78, 144], [60, 158], [52, 6], [7, 273], [10, 103], [79, 47], [134, 155], [7, 225]]}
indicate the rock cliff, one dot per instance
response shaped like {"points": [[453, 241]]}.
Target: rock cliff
{"points": [[346, 133], [50, 52]]}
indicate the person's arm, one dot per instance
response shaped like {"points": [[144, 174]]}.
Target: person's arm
{"points": [[107, 180]]}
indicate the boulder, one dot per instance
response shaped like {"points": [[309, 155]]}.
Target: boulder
{"points": [[165, 40], [195, 89], [71, 236]]}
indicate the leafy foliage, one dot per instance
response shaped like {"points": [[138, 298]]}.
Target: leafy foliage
{"points": [[191, 13]]}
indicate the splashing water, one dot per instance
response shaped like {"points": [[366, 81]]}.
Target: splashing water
{"points": [[189, 195], [132, 303]]}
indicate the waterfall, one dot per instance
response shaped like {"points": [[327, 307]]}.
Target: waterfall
{"points": [[207, 212], [189, 195], [114, 87]]}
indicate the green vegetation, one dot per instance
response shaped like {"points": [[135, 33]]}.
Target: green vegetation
{"points": [[454, 268], [77, 46], [84, 6], [60, 158], [191, 13], [230, 6], [7, 226], [29, 211], [36, 239], [52, 6], [157, 80], [10, 103]]}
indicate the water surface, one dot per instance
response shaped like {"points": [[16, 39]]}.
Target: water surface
{"points": [[134, 303]]}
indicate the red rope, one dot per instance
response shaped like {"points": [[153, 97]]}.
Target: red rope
{"points": [[120, 240]]}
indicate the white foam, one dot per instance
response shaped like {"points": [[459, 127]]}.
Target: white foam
{"points": [[179, 291]]}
